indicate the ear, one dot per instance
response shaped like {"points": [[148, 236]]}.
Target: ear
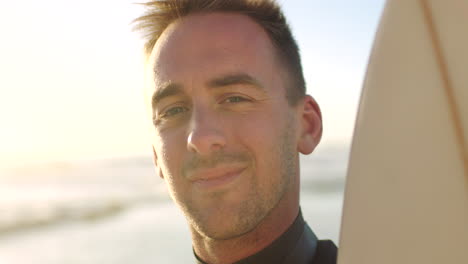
{"points": [[310, 119], [155, 161]]}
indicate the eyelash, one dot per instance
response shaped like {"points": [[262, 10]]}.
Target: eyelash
{"points": [[242, 99], [166, 114]]}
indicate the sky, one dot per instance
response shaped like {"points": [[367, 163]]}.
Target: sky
{"points": [[71, 74]]}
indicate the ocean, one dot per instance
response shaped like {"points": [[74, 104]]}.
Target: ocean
{"points": [[118, 211]]}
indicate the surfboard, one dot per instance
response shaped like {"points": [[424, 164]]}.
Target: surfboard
{"points": [[406, 194]]}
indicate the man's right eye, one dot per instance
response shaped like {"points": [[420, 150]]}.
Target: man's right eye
{"points": [[173, 111]]}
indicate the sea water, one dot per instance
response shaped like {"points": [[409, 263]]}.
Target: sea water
{"points": [[118, 211]]}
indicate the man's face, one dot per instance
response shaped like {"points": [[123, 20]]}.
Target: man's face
{"points": [[225, 136]]}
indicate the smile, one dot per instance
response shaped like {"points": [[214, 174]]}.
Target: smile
{"points": [[214, 178]]}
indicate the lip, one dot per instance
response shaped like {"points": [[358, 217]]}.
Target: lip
{"points": [[217, 177]]}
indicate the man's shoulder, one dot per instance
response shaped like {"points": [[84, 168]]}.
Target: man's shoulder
{"points": [[326, 252]]}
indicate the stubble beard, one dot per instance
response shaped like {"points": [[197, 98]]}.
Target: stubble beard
{"points": [[258, 203]]}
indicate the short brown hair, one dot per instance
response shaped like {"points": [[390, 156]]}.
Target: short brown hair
{"points": [[160, 14]]}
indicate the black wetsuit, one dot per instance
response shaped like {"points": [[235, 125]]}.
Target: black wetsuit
{"points": [[298, 245]]}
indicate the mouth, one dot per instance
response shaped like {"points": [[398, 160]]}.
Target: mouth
{"points": [[218, 177]]}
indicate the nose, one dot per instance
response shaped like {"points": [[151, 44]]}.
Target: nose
{"points": [[206, 133]]}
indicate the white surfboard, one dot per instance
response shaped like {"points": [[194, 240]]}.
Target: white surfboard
{"points": [[406, 198]]}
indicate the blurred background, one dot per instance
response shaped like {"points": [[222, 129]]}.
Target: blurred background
{"points": [[76, 178]]}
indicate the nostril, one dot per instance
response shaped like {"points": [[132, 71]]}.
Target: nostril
{"points": [[205, 140]]}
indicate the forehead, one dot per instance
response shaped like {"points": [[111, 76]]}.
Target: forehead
{"points": [[223, 42]]}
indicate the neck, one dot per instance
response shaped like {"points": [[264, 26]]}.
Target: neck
{"points": [[269, 229]]}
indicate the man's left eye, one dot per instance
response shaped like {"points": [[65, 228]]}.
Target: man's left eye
{"points": [[235, 99]]}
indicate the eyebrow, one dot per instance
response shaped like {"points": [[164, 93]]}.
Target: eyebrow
{"points": [[165, 90], [170, 88], [234, 79]]}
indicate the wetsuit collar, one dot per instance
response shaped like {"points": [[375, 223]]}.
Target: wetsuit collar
{"points": [[297, 245]]}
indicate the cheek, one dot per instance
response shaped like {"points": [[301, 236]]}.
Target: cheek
{"points": [[263, 126], [170, 150], [170, 162], [262, 133]]}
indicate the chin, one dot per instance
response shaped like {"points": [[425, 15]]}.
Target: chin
{"points": [[226, 223], [225, 230]]}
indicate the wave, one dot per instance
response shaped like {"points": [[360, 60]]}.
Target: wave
{"points": [[37, 215]]}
